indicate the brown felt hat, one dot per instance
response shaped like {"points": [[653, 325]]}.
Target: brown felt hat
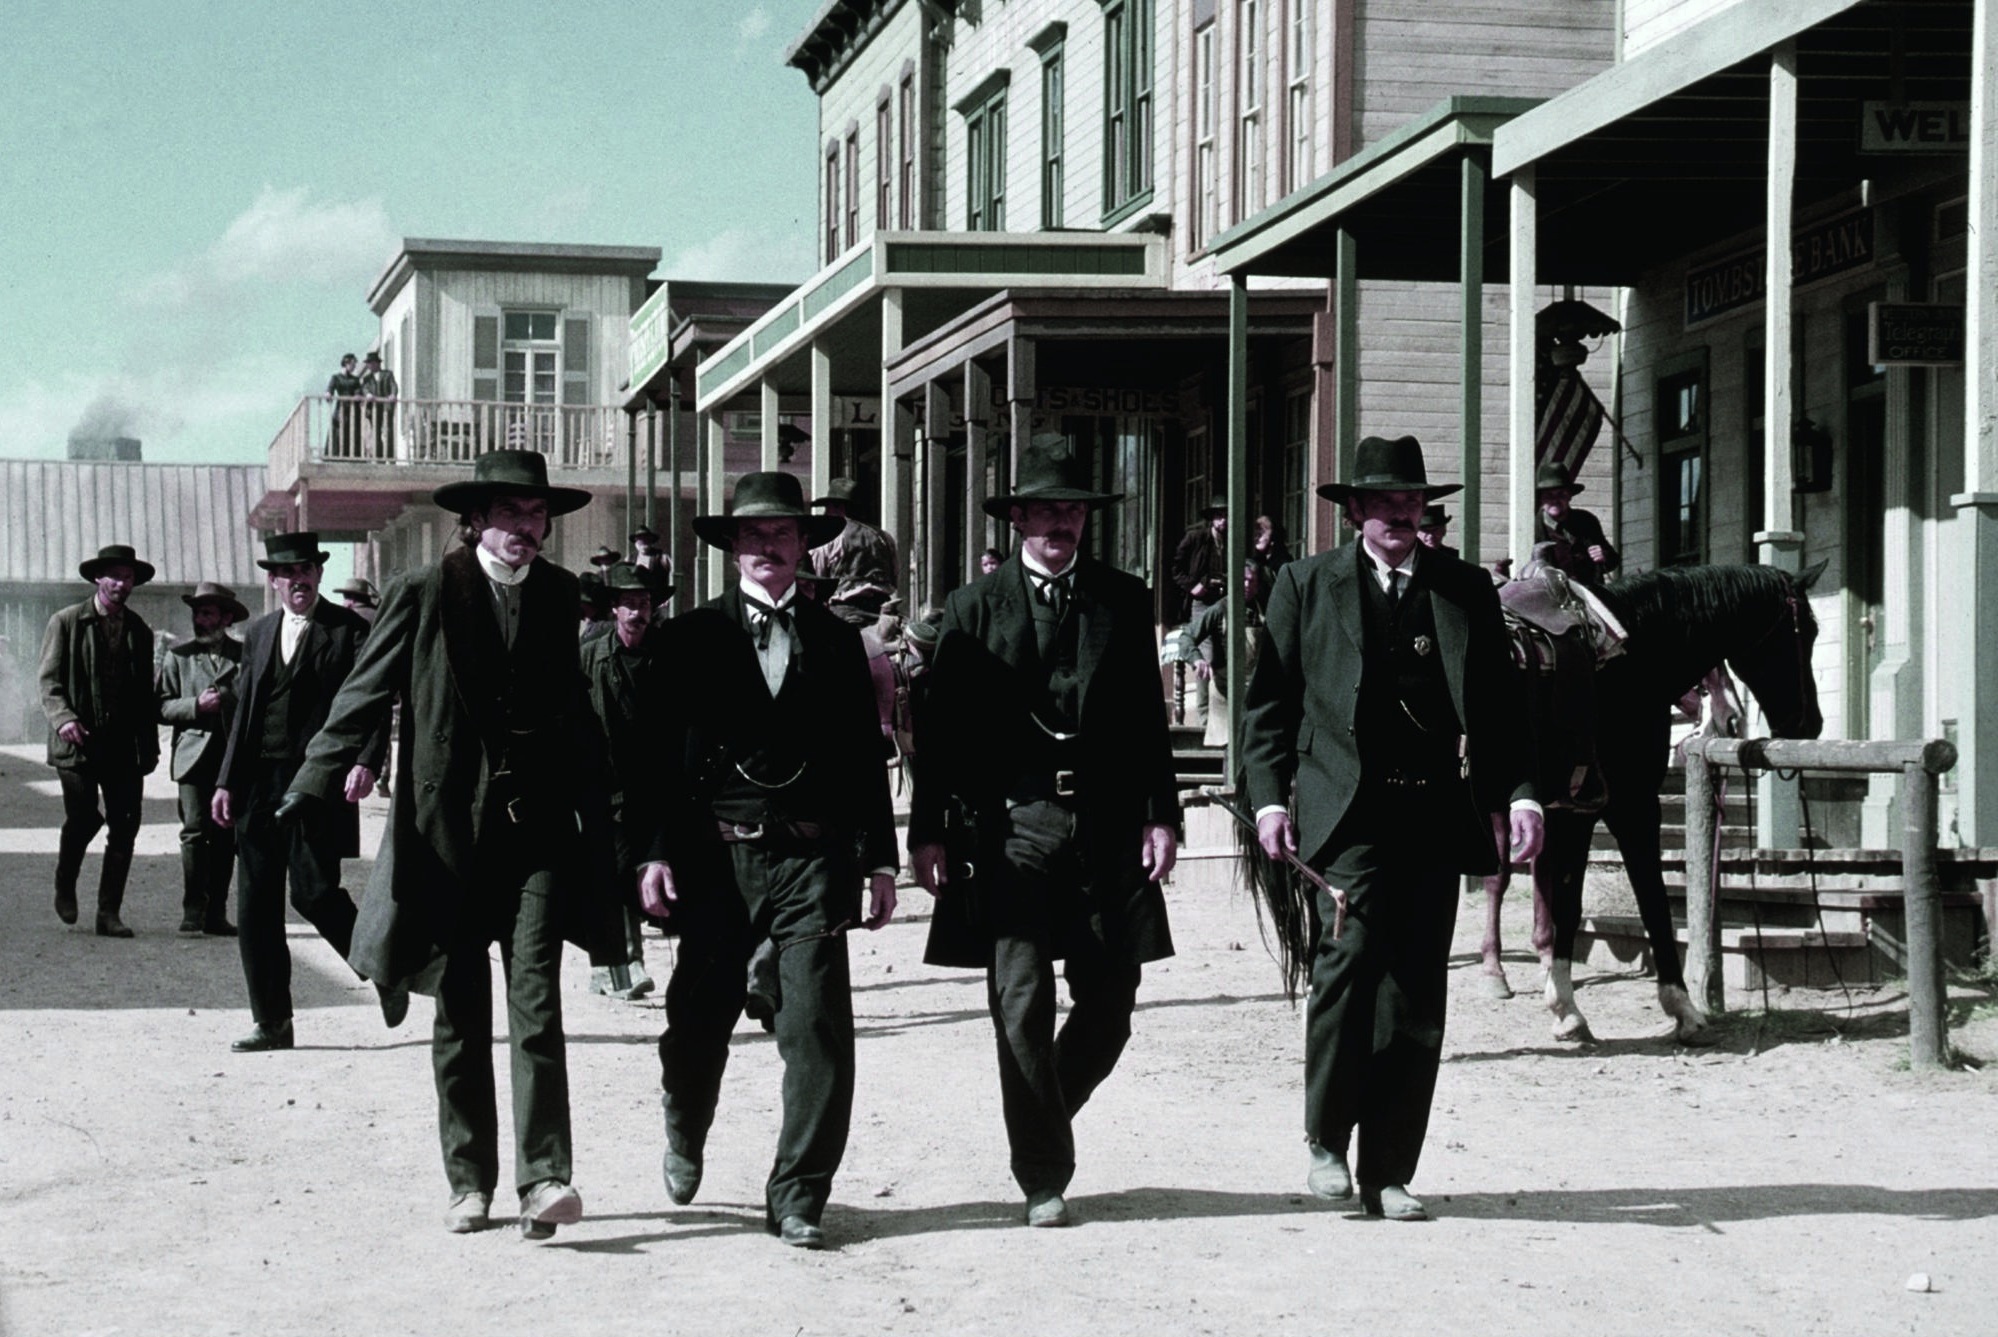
{"points": [[221, 595]]}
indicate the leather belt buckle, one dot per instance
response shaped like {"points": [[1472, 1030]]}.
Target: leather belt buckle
{"points": [[736, 831], [1064, 784]]}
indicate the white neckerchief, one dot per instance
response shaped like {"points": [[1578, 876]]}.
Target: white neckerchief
{"points": [[1384, 573], [774, 658], [499, 572], [293, 628]]}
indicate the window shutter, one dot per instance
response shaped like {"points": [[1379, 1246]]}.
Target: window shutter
{"points": [[576, 360], [486, 359], [405, 348]]}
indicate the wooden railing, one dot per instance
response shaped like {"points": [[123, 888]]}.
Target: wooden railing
{"points": [[325, 429], [1918, 763]]}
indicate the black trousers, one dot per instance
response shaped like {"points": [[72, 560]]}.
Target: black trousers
{"points": [[1374, 1020], [268, 853], [801, 898], [520, 915], [82, 819], [1045, 1077], [207, 859]]}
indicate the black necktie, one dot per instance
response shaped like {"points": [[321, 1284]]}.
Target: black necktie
{"points": [[1052, 591], [1395, 579], [766, 618]]}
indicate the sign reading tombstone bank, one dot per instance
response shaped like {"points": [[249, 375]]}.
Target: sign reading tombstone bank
{"points": [[1816, 252], [1914, 334]]}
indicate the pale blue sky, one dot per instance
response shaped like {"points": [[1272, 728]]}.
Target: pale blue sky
{"points": [[197, 195]]}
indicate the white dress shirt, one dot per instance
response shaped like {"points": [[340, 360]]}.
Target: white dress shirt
{"points": [[774, 657], [503, 583], [292, 630]]}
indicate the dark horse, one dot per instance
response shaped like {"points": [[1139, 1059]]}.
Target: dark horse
{"points": [[1682, 622]]}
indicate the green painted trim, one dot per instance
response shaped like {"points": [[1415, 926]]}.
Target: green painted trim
{"points": [[783, 323], [1135, 205], [1049, 259]]}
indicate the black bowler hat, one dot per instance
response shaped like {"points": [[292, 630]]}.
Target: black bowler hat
{"points": [[1554, 474], [515, 473], [117, 554], [286, 549], [773, 496], [1381, 465], [373, 357], [1050, 470], [644, 534], [221, 596], [1218, 506], [1434, 517], [842, 490], [624, 576]]}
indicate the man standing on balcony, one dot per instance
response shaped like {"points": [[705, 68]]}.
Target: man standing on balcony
{"points": [[294, 660], [1044, 717], [859, 559], [97, 681], [777, 809], [378, 387], [499, 832], [197, 696]]}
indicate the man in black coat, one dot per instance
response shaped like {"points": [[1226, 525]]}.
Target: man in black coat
{"points": [[197, 696], [1045, 721], [1383, 688], [294, 660], [779, 811], [1581, 549], [498, 832]]}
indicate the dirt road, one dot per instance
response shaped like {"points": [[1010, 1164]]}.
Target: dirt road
{"points": [[1788, 1179]]}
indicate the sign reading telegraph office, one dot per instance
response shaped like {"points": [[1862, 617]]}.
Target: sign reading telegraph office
{"points": [[1820, 251]]}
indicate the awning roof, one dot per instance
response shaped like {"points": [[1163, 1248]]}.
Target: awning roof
{"points": [[1401, 197], [1667, 152]]}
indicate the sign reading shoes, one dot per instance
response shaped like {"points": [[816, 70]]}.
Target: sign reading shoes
{"points": [[1914, 127]]}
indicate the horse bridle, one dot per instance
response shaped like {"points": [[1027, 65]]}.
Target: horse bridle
{"points": [[1794, 608]]}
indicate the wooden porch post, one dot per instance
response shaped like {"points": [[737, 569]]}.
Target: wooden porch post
{"points": [[714, 480], [894, 504], [1471, 378], [1345, 356], [821, 418], [1522, 429], [1235, 663], [771, 408], [977, 426]]}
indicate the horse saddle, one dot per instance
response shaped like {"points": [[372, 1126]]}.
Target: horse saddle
{"points": [[1560, 633]]}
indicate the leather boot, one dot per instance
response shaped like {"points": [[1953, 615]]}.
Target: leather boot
{"points": [[215, 912], [111, 894], [69, 863], [193, 887]]}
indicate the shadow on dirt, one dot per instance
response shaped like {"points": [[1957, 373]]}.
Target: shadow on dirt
{"points": [[1683, 1208]]}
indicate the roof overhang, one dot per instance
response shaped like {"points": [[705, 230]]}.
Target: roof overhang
{"points": [[420, 253], [939, 275], [1667, 152], [1400, 198], [682, 318]]}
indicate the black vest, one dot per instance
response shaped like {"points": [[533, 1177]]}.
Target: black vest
{"points": [[1407, 724], [284, 701]]}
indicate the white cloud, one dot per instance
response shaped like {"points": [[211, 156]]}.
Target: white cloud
{"points": [[749, 254], [285, 236], [178, 410], [751, 28]]}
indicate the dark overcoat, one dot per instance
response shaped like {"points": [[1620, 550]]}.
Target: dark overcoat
{"points": [[1300, 712], [437, 645], [189, 669], [75, 687], [976, 728]]}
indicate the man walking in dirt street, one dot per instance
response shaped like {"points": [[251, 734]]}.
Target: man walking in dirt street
{"points": [[1384, 689], [294, 660], [779, 810], [498, 832], [1045, 720], [197, 696], [859, 558], [96, 681]]}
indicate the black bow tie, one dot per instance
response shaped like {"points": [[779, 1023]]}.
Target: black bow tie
{"points": [[765, 618], [1054, 591]]}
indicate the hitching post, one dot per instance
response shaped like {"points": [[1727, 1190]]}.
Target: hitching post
{"points": [[1928, 1043], [1703, 972]]}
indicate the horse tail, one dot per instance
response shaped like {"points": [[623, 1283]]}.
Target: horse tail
{"points": [[1286, 911]]}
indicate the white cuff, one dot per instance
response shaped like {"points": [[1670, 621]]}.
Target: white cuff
{"points": [[1267, 809], [882, 872], [1527, 805]]}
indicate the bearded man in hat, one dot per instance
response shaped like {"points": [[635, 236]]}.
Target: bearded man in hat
{"points": [[197, 696], [630, 678], [360, 596], [1044, 720], [1384, 693], [776, 814], [859, 559], [1434, 529], [294, 660], [498, 822], [1580, 547], [1198, 567], [96, 682]]}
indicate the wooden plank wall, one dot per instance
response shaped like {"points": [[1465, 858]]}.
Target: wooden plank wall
{"points": [[192, 521], [853, 97], [462, 294]]}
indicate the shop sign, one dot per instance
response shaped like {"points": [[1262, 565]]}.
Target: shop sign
{"points": [[1914, 127], [1914, 334], [651, 337], [1834, 246], [1107, 400]]}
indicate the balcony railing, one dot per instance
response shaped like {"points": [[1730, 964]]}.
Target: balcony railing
{"points": [[325, 429]]}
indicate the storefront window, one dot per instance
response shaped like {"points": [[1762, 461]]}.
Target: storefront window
{"points": [[1680, 413]]}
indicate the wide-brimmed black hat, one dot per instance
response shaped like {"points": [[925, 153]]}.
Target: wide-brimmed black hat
{"points": [[117, 554], [1433, 517], [360, 591], [644, 534], [605, 555], [1554, 474], [221, 595], [767, 496], [1050, 470], [624, 576], [372, 356], [285, 549], [1218, 506], [1381, 465], [520, 473], [842, 490]]}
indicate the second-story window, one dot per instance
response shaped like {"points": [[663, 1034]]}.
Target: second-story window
{"points": [[832, 203], [1127, 94], [1206, 164], [852, 185], [1053, 107], [1298, 164], [1249, 108], [532, 354], [884, 164], [905, 138], [985, 164]]}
